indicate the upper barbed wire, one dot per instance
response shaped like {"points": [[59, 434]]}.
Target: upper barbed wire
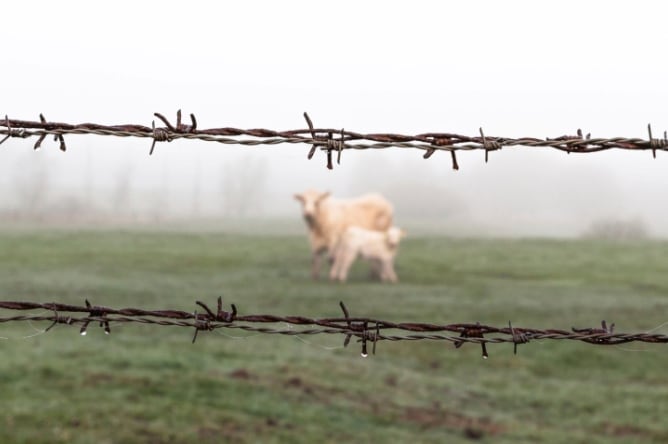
{"points": [[325, 139]]}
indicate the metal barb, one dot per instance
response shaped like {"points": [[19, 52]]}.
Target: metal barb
{"points": [[193, 122], [62, 146], [196, 327], [13, 132], [488, 145], [159, 135], [200, 324], [604, 330], [363, 339], [9, 130], [183, 128], [82, 331], [340, 146], [367, 335], [651, 140], [206, 308], [55, 321], [518, 338], [328, 143], [330, 147], [166, 122], [455, 165], [95, 312], [220, 315], [155, 139], [610, 330], [59, 138], [656, 143], [41, 138], [473, 332], [58, 320], [310, 127], [346, 341]]}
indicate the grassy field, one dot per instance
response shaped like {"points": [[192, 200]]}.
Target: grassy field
{"points": [[149, 384]]}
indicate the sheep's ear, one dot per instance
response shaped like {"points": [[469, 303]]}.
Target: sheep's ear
{"points": [[323, 196], [299, 197]]}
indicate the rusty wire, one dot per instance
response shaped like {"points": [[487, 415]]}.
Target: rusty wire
{"points": [[325, 139], [366, 330]]}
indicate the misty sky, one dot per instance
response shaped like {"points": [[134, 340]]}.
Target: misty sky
{"points": [[539, 69]]}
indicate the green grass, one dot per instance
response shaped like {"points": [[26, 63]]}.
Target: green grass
{"points": [[149, 384]]}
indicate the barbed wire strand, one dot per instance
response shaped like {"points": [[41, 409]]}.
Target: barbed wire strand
{"points": [[325, 139], [365, 330]]}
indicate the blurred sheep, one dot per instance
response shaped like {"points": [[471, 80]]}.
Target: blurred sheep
{"points": [[327, 218], [377, 247]]}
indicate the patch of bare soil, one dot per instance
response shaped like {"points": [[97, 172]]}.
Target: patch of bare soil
{"points": [[435, 416], [630, 431], [430, 416], [243, 374], [314, 391], [226, 432]]}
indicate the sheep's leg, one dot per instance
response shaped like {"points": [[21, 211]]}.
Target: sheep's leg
{"points": [[333, 271], [333, 251], [315, 264], [336, 265]]}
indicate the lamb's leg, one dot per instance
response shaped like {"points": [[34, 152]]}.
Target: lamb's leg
{"points": [[336, 265], [389, 273], [347, 259]]}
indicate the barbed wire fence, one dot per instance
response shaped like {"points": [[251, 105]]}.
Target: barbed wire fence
{"points": [[365, 330], [332, 141]]}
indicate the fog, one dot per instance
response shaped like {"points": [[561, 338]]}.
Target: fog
{"points": [[516, 70], [518, 193]]}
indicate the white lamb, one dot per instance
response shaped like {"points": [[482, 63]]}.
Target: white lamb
{"points": [[378, 247], [327, 218]]}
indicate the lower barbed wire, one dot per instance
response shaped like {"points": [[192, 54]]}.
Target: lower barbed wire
{"points": [[361, 329]]}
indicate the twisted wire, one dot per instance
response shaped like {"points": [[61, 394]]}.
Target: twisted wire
{"points": [[323, 138], [363, 328]]}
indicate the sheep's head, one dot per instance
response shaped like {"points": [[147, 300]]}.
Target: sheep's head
{"points": [[311, 200], [393, 236]]}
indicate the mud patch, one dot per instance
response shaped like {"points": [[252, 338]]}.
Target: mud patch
{"points": [[231, 432], [298, 383], [242, 374], [435, 416], [626, 430]]}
